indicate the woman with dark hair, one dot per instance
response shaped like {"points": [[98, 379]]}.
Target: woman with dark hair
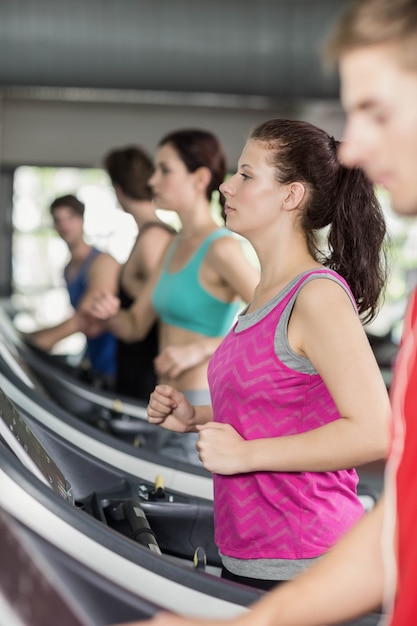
{"points": [[129, 169], [297, 398], [196, 291]]}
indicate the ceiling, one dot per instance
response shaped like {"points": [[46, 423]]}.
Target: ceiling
{"points": [[251, 48]]}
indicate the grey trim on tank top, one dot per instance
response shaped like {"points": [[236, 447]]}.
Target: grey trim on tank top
{"points": [[278, 569], [267, 569], [198, 397], [283, 349]]}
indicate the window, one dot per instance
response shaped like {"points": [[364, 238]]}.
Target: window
{"points": [[39, 255]]}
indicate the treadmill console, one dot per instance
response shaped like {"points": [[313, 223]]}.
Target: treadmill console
{"points": [[28, 449]]}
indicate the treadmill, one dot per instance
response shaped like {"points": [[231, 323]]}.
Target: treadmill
{"points": [[42, 586], [25, 391], [115, 531], [121, 415], [182, 524], [129, 575], [119, 513]]}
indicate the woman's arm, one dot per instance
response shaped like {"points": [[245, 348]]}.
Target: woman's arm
{"points": [[227, 258], [174, 360], [323, 327], [170, 409], [134, 323], [103, 276], [147, 252]]}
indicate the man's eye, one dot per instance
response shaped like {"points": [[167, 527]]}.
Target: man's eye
{"points": [[380, 119]]}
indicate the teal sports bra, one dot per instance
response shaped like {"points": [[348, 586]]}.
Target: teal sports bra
{"points": [[180, 300]]}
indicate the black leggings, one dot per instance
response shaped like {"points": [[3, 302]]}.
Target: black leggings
{"points": [[259, 583]]}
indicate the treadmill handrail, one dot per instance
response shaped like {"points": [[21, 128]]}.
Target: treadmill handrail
{"points": [[147, 468]]}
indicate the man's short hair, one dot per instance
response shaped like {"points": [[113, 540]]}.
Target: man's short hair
{"points": [[376, 22], [68, 200]]}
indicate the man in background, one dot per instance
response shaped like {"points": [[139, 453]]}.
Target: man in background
{"points": [[87, 272]]}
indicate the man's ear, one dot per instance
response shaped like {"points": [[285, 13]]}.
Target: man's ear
{"points": [[295, 195]]}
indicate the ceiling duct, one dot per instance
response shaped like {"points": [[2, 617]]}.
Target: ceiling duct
{"points": [[268, 48]]}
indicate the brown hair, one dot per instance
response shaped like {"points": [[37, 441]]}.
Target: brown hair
{"points": [[70, 201], [338, 198], [376, 22], [130, 168], [200, 148]]}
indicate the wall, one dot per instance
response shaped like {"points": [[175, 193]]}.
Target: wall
{"points": [[57, 131]]}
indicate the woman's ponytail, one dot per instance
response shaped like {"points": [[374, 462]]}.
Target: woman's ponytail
{"points": [[356, 239]]}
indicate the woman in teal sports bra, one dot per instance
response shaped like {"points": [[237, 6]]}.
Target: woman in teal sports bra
{"points": [[201, 282], [129, 169]]}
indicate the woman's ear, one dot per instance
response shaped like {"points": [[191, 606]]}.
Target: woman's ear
{"points": [[202, 177], [295, 195], [119, 193]]}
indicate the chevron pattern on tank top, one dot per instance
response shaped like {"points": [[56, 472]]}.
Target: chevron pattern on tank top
{"points": [[275, 515]]}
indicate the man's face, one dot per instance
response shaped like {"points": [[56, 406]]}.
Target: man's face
{"points": [[380, 99], [68, 224]]}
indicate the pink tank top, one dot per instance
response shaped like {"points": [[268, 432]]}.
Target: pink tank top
{"points": [[275, 515]]}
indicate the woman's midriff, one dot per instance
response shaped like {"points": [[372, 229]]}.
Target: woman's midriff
{"points": [[190, 379]]}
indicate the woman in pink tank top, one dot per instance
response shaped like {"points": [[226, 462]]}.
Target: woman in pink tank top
{"points": [[297, 396]]}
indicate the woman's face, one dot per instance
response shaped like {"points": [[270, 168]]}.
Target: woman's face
{"points": [[253, 195], [172, 184]]}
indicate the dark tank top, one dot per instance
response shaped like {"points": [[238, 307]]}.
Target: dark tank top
{"points": [[101, 350], [135, 373]]}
